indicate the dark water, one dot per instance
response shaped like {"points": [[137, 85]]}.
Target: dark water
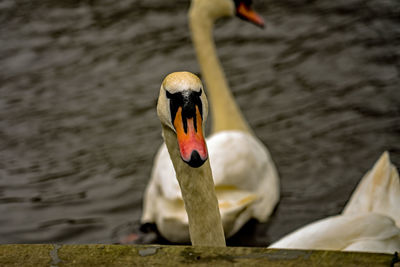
{"points": [[79, 81]]}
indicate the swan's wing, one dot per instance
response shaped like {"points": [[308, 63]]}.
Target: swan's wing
{"points": [[162, 202], [240, 160], [164, 174], [388, 245], [162, 186], [234, 207], [378, 191], [172, 220], [367, 232]]}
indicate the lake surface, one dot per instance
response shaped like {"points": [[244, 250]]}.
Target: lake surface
{"points": [[320, 86]]}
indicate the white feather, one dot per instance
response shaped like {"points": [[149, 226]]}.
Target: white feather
{"points": [[368, 222]]}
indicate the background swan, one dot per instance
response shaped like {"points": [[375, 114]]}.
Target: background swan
{"points": [[369, 222], [245, 177]]}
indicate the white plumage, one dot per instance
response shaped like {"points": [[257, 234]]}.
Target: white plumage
{"points": [[369, 222]]}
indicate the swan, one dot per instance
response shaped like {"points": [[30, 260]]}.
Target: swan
{"points": [[182, 109], [245, 177], [369, 222]]}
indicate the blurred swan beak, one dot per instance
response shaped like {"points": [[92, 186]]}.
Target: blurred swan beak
{"points": [[247, 13]]}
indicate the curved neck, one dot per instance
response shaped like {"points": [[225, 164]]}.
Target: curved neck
{"points": [[198, 193], [226, 113]]}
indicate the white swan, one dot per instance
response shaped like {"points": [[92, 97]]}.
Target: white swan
{"points": [[245, 177], [182, 108], [369, 222]]}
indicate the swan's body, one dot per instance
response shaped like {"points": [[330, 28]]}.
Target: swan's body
{"points": [[241, 182], [369, 222], [245, 177]]}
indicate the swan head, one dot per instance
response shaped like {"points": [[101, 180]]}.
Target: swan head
{"points": [[182, 107], [215, 9]]}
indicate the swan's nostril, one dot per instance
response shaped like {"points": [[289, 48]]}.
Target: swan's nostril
{"points": [[195, 160]]}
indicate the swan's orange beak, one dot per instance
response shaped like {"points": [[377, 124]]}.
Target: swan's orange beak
{"points": [[247, 13], [192, 145]]}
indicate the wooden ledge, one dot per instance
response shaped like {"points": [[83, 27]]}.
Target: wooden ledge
{"points": [[157, 255]]}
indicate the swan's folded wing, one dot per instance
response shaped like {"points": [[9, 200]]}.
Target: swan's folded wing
{"points": [[235, 206], [164, 175], [162, 186], [378, 191], [388, 245], [162, 202], [368, 232], [172, 220], [240, 160]]}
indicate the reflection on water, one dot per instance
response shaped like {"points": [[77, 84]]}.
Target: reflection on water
{"points": [[79, 81]]}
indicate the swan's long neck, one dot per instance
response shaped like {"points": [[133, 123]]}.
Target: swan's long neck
{"points": [[199, 196], [226, 114]]}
